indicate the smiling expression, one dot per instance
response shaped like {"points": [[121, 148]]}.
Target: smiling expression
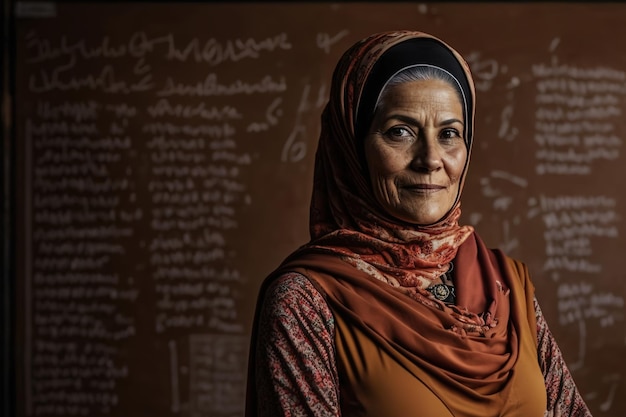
{"points": [[415, 150]]}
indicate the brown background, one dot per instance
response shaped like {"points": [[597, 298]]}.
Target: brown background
{"points": [[164, 163]]}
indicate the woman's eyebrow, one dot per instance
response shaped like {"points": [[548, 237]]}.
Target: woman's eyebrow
{"points": [[450, 121], [412, 121]]}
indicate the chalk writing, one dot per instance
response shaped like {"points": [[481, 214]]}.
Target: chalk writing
{"points": [[164, 107], [571, 222], [325, 41], [295, 148], [211, 87], [575, 116], [272, 115], [215, 52], [483, 70], [613, 380], [218, 373], [499, 188], [139, 45], [81, 222]]}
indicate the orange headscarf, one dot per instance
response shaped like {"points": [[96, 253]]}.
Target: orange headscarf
{"points": [[345, 218]]}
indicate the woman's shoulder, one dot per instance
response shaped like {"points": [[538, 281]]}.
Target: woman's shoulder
{"points": [[291, 282], [291, 301], [294, 290]]}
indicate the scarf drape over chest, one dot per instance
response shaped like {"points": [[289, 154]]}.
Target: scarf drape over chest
{"points": [[471, 364]]}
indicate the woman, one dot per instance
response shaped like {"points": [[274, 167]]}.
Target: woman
{"points": [[393, 308]]}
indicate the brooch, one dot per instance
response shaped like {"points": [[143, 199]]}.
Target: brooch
{"points": [[443, 292]]}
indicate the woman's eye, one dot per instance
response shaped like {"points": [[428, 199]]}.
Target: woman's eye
{"points": [[399, 132], [450, 134]]}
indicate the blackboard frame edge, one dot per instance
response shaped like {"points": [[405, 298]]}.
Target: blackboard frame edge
{"points": [[7, 231], [316, 1]]}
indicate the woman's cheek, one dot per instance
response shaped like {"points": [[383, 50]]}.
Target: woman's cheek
{"points": [[385, 190]]}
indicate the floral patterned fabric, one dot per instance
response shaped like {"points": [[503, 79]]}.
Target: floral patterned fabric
{"points": [[297, 373]]}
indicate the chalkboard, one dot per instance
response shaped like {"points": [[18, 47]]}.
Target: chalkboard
{"points": [[164, 156]]}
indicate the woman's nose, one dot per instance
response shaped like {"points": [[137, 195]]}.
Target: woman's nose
{"points": [[426, 155]]}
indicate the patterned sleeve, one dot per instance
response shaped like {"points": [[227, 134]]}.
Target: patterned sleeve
{"points": [[563, 396], [296, 370]]}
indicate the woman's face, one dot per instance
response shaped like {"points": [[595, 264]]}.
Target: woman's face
{"points": [[415, 150]]}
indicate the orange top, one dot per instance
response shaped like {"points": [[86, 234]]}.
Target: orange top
{"points": [[397, 354], [380, 381]]}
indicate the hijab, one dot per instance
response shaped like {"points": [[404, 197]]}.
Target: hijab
{"points": [[345, 218]]}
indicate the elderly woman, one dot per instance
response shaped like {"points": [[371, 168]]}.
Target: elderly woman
{"points": [[393, 308]]}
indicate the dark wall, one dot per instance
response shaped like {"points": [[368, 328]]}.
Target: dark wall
{"points": [[7, 281], [164, 163]]}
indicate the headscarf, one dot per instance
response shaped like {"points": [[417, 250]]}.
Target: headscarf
{"points": [[345, 218]]}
